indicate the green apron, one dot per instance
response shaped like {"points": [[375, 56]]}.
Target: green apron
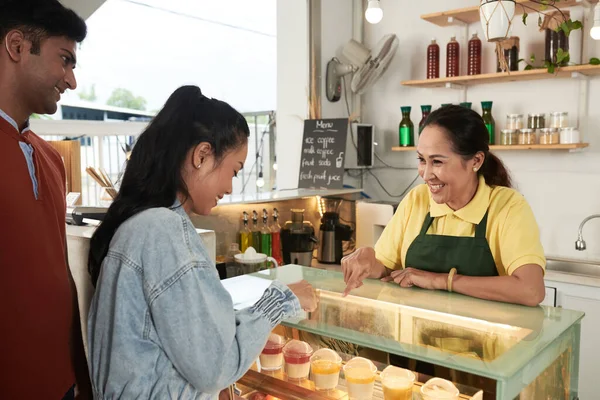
{"points": [[439, 253]]}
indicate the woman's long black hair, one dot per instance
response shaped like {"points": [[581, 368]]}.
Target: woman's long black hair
{"points": [[153, 177]]}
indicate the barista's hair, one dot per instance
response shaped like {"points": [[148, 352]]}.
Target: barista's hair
{"points": [[153, 176], [469, 135], [39, 20]]}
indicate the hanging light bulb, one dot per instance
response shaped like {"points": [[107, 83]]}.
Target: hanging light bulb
{"points": [[374, 13], [260, 182], [275, 163], [595, 32]]}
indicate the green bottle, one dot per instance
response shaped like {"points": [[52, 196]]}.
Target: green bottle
{"points": [[425, 110], [255, 232], [265, 234], [446, 104], [406, 128], [466, 105], [488, 119]]}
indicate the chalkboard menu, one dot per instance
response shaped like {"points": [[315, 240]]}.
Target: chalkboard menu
{"points": [[322, 157]]}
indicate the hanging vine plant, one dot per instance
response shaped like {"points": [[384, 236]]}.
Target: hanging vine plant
{"points": [[500, 13], [558, 21]]}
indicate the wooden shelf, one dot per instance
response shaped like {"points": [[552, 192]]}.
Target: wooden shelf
{"points": [[500, 77], [470, 15], [573, 146]]}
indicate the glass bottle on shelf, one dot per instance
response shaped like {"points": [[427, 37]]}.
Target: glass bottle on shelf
{"points": [[245, 235], [488, 119], [276, 238], [452, 58], [406, 128], [425, 110], [474, 59], [255, 232], [433, 60], [265, 234], [466, 104]]}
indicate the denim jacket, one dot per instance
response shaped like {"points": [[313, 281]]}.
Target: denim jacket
{"points": [[161, 325]]}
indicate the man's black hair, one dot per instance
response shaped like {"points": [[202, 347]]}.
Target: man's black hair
{"points": [[40, 19]]}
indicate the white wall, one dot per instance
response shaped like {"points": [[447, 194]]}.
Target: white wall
{"points": [[292, 87], [561, 187]]}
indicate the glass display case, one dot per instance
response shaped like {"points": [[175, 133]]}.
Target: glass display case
{"points": [[487, 349]]}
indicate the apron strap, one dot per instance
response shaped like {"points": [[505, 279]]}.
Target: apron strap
{"points": [[426, 224], [481, 227]]}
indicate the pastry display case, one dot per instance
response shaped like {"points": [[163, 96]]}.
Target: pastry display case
{"points": [[480, 348]]}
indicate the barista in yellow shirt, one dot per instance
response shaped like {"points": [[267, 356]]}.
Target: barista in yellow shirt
{"points": [[465, 230]]}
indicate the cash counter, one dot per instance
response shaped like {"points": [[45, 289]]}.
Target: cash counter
{"points": [[489, 350]]}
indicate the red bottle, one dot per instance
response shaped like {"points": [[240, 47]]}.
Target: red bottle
{"points": [[433, 60], [276, 250], [474, 64], [452, 58]]}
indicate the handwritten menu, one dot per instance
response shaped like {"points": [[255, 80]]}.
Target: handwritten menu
{"points": [[322, 157]]}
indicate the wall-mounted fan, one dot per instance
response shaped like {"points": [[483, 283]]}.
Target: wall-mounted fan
{"points": [[367, 66]]}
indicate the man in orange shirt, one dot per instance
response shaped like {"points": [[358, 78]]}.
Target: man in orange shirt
{"points": [[41, 348]]}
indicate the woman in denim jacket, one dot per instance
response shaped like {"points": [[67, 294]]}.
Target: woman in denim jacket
{"points": [[161, 325]]}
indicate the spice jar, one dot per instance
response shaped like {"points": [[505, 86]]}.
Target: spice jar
{"points": [[536, 121], [559, 119], [514, 121], [509, 137], [549, 136], [527, 136], [569, 135]]}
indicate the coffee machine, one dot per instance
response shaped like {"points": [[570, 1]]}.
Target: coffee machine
{"points": [[332, 232], [298, 240]]}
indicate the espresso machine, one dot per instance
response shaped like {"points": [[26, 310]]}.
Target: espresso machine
{"points": [[332, 232], [298, 240]]}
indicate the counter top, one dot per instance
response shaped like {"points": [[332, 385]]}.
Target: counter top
{"points": [[86, 231], [400, 320], [280, 195]]}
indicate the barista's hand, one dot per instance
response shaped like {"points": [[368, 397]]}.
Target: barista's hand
{"points": [[306, 294], [360, 265], [409, 277]]}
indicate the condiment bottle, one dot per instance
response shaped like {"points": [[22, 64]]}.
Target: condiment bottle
{"points": [[255, 232], [425, 110], [452, 58], [276, 238], [406, 128], [433, 60], [265, 234], [488, 119], [245, 236], [474, 59]]}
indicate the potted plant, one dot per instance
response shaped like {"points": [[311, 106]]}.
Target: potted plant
{"points": [[496, 18]]}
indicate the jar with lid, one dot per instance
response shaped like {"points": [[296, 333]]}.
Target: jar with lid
{"points": [[514, 121], [536, 121], [549, 136], [559, 119], [527, 136], [569, 135], [509, 137]]}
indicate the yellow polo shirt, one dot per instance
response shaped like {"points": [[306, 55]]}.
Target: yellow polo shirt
{"points": [[512, 232]]}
